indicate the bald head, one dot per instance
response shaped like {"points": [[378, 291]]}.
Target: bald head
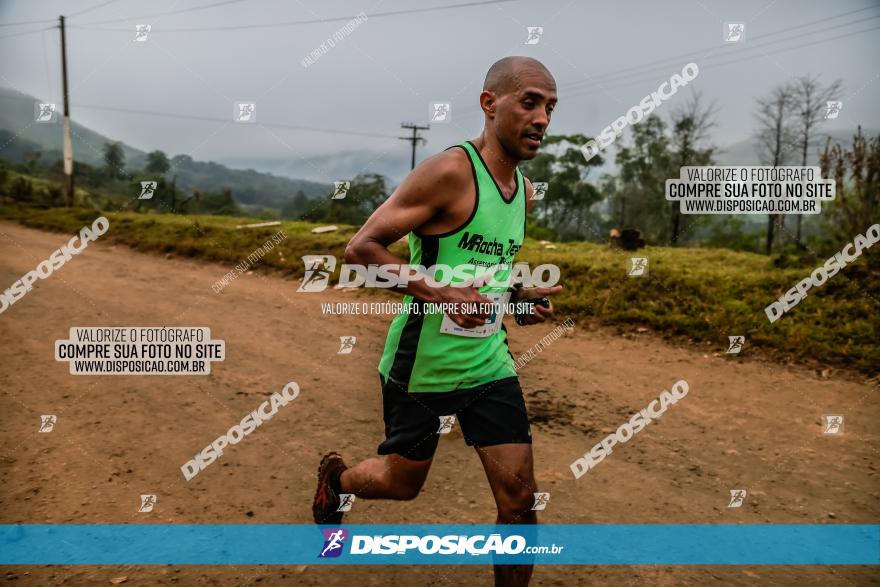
{"points": [[518, 99], [505, 74]]}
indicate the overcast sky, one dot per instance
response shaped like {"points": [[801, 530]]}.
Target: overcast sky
{"points": [[605, 57]]}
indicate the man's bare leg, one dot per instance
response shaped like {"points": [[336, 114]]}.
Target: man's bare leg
{"points": [[510, 471], [386, 477]]}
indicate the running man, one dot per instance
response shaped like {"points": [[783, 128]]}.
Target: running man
{"points": [[464, 206]]}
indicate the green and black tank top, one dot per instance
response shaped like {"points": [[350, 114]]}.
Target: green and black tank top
{"points": [[417, 354]]}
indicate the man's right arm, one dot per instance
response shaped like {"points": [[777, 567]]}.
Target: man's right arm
{"points": [[425, 195]]}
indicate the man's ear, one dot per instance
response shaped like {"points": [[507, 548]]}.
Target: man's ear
{"points": [[488, 102]]}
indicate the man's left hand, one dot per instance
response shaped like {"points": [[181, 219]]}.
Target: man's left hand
{"points": [[539, 313]]}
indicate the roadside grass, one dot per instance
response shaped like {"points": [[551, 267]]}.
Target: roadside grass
{"points": [[688, 293]]}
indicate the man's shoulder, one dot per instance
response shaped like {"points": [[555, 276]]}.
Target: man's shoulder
{"points": [[446, 172], [451, 162]]}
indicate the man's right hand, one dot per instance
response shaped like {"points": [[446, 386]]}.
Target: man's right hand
{"points": [[463, 297]]}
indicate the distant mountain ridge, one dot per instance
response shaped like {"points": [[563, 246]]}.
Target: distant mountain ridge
{"points": [[22, 137]]}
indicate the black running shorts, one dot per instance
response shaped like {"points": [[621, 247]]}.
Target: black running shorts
{"points": [[490, 414]]}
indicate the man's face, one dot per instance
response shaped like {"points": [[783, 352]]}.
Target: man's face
{"points": [[523, 113]]}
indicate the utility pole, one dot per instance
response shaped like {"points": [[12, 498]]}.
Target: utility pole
{"points": [[414, 138], [66, 141]]}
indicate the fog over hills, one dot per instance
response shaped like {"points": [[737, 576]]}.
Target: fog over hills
{"points": [[249, 186]]}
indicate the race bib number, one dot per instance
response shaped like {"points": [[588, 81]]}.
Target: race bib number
{"points": [[492, 325]]}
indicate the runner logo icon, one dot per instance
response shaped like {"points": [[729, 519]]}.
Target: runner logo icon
{"points": [[341, 189], [737, 498], [346, 500], [638, 266], [148, 189], [317, 272], [736, 344], [540, 188], [535, 33], [147, 503], [334, 541], [446, 424], [833, 425], [47, 423], [346, 345], [541, 501]]}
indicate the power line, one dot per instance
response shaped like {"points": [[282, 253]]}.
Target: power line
{"points": [[155, 14], [627, 80], [213, 119], [747, 58], [50, 20], [679, 57], [97, 6], [25, 22], [757, 47], [313, 21], [28, 32], [68, 16]]}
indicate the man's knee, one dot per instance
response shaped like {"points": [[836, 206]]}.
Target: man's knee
{"points": [[516, 497]]}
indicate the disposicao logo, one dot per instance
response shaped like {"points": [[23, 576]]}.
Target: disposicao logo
{"points": [[334, 542]]}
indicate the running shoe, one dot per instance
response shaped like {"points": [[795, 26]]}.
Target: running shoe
{"points": [[326, 504]]}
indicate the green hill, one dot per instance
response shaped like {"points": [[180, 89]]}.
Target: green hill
{"points": [[23, 138]]}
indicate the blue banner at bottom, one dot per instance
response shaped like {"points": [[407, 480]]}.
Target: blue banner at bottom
{"points": [[439, 544]]}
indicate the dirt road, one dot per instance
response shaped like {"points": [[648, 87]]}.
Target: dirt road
{"points": [[746, 424]]}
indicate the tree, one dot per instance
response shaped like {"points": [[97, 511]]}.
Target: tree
{"points": [[22, 190], [857, 203], [172, 191], [365, 193], [690, 125], [292, 208], [157, 163], [566, 206], [811, 99], [644, 166], [32, 162], [221, 204], [194, 202], [114, 160], [775, 137], [4, 176], [368, 190]]}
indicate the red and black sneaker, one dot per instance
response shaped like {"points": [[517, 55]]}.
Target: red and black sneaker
{"points": [[326, 504]]}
